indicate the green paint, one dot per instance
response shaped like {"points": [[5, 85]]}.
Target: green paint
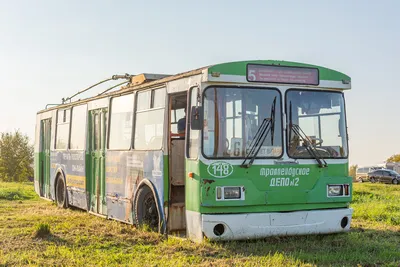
{"points": [[240, 68], [43, 158], [166, 180], [36, 162], [265, 193], [192, 185], [97, 130]]}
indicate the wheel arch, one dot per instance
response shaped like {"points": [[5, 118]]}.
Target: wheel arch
{"points": [[60, 173], [146, 182]]}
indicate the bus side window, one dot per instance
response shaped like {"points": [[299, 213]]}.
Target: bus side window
{"points": [[62, 131], [176, 116], [121, 122], [193, 139], [78, 127], [150, 120]]}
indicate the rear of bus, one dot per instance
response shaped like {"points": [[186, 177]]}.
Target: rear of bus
{"points": [[271, 154]]}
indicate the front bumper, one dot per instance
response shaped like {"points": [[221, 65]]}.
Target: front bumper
{"points": [[259, 225]]}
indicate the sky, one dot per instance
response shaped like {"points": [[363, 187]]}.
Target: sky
{"points": [[52, 49]]}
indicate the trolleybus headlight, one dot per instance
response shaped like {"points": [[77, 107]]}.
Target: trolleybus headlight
{"points": [[232, 193], [335, 190]]}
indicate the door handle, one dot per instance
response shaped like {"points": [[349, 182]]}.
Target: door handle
{"points": [[103, 153]]}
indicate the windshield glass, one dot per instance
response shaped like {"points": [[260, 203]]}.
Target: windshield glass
{"points": [[321, 117], [232, 117]]}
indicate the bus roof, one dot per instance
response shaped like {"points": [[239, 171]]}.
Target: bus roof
{"points": [[232, 72], [240, 67]]}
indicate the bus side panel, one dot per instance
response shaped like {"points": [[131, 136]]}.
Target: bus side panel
{"points": [[72, 165], [192, 201], [55, 166], [119, 186], [124, 172], [75, 178]]}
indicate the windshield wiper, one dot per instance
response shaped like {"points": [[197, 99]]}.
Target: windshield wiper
{"points": [[306, 142], [268, 125]]}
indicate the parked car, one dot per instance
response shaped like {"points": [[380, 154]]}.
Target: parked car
{"points": [[384, 176], [362, 173]]}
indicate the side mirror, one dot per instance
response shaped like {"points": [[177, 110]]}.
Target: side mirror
{"points": [[196, 118]]}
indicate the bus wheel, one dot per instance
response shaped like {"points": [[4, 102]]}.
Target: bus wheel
{"points": [[372, 179], [61, 193], [146, 212], [395, 181], [360, 180]]}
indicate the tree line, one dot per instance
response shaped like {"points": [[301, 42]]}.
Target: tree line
{"points": [[16, 157]]}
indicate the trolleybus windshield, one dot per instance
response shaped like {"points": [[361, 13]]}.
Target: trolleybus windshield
{"points": [[320, 115], [232, 117]]}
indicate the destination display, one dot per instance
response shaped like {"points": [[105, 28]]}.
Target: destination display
{"points": [[282, 74]]}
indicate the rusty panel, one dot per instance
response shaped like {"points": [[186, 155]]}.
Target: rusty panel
{"points": [[177, 217], [178, 162]]}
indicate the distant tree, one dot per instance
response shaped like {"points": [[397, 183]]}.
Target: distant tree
{"points": [[16, 157], [394, 158], [352, 171]]}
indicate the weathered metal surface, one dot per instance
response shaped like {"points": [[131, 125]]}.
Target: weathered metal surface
{"points": [[177, 218], [177, 194], [146, 77], [178, 162], [124, 171], [72, 164]]}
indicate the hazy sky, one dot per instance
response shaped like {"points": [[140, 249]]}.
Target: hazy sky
{"points": [[51, 49]]}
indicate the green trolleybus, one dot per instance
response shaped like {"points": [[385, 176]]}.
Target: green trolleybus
{"points": [[231, 151]]}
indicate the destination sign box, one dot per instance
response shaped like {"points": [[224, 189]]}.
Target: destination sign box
{"points": [[282, 74]]}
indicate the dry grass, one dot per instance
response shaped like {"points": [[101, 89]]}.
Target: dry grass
{"points": [[77, 238]]}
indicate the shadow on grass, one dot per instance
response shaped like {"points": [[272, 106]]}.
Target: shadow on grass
{"points": [[56, 240]]}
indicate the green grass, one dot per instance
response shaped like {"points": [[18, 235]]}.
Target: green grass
{"points": [[42, 230], [75, 238], [377, 203], [17, 191]]}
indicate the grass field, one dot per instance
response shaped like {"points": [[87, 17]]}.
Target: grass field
{"points": [[35, 232]]}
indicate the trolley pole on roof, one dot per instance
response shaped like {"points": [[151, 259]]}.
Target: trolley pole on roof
{"points": [[114, 77]]}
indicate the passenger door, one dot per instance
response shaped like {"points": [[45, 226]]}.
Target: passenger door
{"points": [[98, 123], [45, 133]]}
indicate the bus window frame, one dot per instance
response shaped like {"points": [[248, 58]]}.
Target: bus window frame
{"points": [[244, 87], [63, 123], [86, 127], [163, 86], [133, 122], [188, 121], [315, 89]]}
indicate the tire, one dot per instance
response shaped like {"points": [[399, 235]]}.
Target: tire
{"points": [[61, 193], [146, 212], [372, 179], [395, 181], [360, 180]]}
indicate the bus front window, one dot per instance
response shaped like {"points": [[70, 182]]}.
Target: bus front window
{"points": [[232, 117], [321, 117]]}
